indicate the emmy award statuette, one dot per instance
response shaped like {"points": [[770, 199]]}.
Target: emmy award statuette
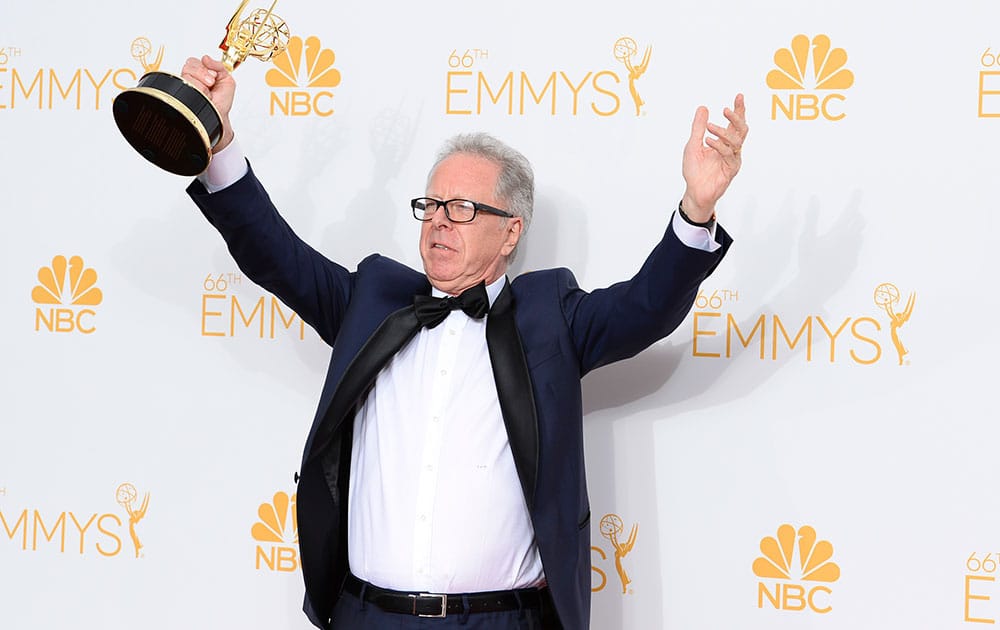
{"points": [[173, 124]]}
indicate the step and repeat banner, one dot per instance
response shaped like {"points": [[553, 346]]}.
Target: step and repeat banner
{"points": [[815, 447]]}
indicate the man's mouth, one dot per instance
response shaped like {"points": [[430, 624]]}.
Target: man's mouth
{"points": [[440, 246]]}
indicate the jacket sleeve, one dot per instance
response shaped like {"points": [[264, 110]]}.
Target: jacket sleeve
{"points": [[619, 321], [269, 252]]}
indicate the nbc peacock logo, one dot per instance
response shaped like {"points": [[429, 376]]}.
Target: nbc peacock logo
{"points": [[65, 291], [302, 77], [792, 557], [803, 68], [277, 534]]}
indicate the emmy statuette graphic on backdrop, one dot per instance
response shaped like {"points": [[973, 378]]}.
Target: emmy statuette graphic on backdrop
{"points": [[126, 495], [886, 294], [611, 528], [625, 50], [169, 121]]}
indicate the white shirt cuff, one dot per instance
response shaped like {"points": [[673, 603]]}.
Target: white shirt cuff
{"points": [[227, 167], [694, 236]]}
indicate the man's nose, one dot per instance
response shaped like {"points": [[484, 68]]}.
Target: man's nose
{"points": [[440, 217]]}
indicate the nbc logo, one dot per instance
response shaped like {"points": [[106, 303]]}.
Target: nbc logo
{"points": [[303, 65], [826, 72], [277, 533], [66, 284], [811, 565]]}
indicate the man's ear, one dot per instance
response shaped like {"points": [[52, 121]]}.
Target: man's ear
{"points": [[513, 232]]}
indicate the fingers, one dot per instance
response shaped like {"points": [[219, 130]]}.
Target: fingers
{"points": [[738, 118], [739, 104], [727, 151], [731, 137], [698, 126], [195, 73], [214, 81], [213, 64], [203, 73], [728, 140]]}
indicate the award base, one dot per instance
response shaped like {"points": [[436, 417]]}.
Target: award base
{"points": [[169, 122]]}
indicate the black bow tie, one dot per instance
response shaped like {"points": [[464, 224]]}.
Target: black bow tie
{"points": [[431, 311]]}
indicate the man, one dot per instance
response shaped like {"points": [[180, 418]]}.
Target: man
{"points": [[443, 475]]}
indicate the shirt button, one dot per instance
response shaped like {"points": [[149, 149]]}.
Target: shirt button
{"points": [[423, 517], [444, 372], [429, 468]]}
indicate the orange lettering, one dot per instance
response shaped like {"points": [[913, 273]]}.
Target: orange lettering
{"points": [[205, 314], [449, 90], [707, 333], [794, 592], [969, 597], [812, 604], [109, 534], [826, 102]]}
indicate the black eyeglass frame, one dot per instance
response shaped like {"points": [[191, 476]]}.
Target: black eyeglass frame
{"points": [[477, 207]]}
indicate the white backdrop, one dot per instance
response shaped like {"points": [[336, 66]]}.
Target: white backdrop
{"points": [[782, 400]]}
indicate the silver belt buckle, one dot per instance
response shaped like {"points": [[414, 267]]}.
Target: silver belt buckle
{"points": [[444, 604]]}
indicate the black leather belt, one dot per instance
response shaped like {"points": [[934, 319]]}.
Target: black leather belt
{"points": [[440, 604]]}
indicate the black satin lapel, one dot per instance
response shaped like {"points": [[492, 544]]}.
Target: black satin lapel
{"points": [[517, 402], [388, 338]]}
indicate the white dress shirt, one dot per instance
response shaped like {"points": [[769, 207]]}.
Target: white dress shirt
{"points": [[435, 503]]}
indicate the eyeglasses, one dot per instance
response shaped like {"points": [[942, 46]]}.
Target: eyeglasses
{"points": [[457, 210]]}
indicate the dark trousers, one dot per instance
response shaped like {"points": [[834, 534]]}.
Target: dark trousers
{"points": [[351, 613]]}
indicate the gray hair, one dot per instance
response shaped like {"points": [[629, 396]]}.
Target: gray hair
{"points": [[516, 182]]}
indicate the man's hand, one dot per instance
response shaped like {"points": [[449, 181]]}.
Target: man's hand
{"points": [[711, 162], [212, 78]]}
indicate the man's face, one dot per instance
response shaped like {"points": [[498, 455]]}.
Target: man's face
{"points": [[459, 255]]}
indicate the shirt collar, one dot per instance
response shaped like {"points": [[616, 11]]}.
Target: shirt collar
{"points": [[493, 289]]}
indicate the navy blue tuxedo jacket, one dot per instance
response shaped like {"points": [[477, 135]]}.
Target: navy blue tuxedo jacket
{"points": [[543, 332]]}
